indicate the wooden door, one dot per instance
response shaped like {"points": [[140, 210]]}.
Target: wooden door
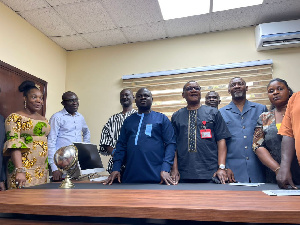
{"points": [[11, 100]]}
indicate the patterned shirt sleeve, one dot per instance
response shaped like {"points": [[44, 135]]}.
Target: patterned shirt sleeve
{"points": [[258, 136], [13, 125], [106, 138]]}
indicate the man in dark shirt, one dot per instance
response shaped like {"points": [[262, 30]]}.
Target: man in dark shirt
{"points": [[200, 136]]}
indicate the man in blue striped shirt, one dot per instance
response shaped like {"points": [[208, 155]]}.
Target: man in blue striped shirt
{"points": [[67, 126]]}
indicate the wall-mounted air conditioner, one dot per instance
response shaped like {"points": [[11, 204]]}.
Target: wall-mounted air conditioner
{"points": [[284, 34]]}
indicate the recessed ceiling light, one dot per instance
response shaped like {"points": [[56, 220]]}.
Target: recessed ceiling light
{"points": [[172, 9], [221, 5]]}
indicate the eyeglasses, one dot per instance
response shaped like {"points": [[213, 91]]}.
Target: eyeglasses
{"points": [[75, 100], [237, 84], [190, 88]]}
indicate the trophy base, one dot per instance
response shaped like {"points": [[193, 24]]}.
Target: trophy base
{"points": [[66, 183]]}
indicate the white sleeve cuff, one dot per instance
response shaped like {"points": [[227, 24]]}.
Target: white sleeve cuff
{"points": [[53, 167]]}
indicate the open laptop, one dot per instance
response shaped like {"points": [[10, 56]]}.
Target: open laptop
{"points": [[89, 159]]}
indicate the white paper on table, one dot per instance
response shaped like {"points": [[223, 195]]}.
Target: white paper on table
{"points": [[246, 184], [98, 179], [90, 171], [282, 192]]}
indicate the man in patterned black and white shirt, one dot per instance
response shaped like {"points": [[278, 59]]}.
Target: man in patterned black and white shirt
{"points": [[111, 129]]}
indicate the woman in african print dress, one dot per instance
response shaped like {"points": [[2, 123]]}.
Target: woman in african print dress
{"points": [[26, 133]]}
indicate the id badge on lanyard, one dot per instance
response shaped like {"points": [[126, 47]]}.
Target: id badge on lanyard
{"points": [[205, 133]]}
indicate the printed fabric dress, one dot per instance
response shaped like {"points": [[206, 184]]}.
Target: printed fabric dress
{"points": [[31, 136]]}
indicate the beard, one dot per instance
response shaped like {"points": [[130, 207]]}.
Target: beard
{"points": [[238, 94]]}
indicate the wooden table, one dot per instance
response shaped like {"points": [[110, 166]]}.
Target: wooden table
{"points": [[195, 205]]}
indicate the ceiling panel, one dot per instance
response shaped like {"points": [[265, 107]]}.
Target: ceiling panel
{"points": [[86, 17], [22, 5], [74, 42], [272, 1], [48, 22], [277, 12], [145, 32], [63, 2], [235, 18], [133, 12], [188, 26], [105, 38]]}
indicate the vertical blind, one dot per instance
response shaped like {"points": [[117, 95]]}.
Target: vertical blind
{"points": [[166, 86]]}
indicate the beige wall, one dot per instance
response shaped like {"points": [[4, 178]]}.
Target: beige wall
{"points": [[24, 47], [95, 74]]}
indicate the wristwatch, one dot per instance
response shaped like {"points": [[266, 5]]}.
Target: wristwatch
{"points": [[20, 170], [222, 166]]}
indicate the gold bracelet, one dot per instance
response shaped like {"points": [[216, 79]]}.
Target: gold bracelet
{"points": [[20, 170], [277, 169]]}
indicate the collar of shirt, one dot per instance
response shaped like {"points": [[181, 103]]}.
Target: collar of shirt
{"points": [[128, 113], [232, 107], [65, 112]]}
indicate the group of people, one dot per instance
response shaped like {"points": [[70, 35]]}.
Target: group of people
{"points": [[238, 143], [29, 144], [241, 142]]}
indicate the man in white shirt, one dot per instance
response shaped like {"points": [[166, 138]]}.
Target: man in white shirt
{"points": [[67, 126]]}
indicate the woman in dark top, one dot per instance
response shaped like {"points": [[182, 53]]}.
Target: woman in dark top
{"points": [[266, 141]]}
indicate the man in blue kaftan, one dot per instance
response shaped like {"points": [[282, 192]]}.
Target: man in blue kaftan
{"points": [[146, 144]]}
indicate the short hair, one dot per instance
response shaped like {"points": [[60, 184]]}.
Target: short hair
{"points": [[211, 92], [26, 86], [144, 88], [235, 78], [67, 93], [127, 89], [191, 81]]}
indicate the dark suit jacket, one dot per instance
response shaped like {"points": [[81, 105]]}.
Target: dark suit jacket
{"points": [[2, 139]]}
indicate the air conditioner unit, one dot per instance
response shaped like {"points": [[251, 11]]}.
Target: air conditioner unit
{"points": [[285, 34]]}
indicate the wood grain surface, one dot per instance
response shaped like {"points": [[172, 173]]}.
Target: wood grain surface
{"points": [[226, 206]]}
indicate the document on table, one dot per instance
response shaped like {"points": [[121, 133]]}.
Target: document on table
{"points": [[246, 184], [282, 192], [98, 179]]}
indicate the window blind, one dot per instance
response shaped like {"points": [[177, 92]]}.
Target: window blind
{"points": [[166, 86]]}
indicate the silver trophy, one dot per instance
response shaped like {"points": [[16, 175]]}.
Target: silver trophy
{"points": [[66, 160]]}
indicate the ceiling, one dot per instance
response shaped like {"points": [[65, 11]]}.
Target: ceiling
{"points": [[83, 24]]}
